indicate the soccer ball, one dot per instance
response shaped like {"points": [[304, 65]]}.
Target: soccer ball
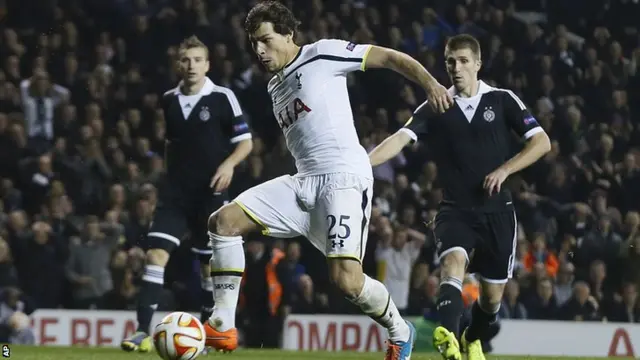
{"points": [[179, 336]]}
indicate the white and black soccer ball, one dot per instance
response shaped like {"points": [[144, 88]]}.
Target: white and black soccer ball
{"points": [[179, 336]]}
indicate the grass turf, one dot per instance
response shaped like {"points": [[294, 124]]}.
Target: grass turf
{"points": [[87, 353]]}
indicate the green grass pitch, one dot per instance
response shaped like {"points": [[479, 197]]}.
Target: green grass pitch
{"points": [[87, 353]]}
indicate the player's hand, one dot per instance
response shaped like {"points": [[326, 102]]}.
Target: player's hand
{"points": [[222, 178], [438, 97], [493, 182]]}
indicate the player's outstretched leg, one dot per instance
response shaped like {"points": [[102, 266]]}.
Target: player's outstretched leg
{"points": [[450, 305], [150, 291], [484, 316], [226, 227], [374, 300]]}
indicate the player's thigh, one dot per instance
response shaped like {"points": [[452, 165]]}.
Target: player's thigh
{"points": [[275, 207], [168, 227], [494, 261], [199, 238], [340, 221], [454, 233]]}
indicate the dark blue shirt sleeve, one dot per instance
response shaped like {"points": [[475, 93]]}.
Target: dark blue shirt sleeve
{"points": [[238, 128], [518, 116]]}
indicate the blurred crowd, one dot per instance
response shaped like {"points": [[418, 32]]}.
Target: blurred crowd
{"points": [[82, 138]]}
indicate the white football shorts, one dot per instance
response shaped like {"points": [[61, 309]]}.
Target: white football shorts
{"points": [[331, 210]]}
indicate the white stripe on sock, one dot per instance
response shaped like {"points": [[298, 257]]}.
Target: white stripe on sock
{"points": [[153, 274]]}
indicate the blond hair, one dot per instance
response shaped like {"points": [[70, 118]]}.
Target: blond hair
{"points": [[192, 42]]}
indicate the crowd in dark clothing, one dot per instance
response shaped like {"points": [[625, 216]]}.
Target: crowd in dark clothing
{"points": [[82, 142]]}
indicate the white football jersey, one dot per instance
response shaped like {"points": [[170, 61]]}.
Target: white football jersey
{"points": [[311, 104]]}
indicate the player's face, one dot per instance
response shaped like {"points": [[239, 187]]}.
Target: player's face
{"points": [[463, 66], [193, 64], [272, 48]]}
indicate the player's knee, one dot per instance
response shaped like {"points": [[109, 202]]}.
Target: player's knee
{"points": [[453, 264], [229, 220], [158, 257], [346, 275]]}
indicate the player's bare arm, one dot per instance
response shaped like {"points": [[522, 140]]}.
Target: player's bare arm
{"points": [[537, 145], [223, 176], [389, 148], [381, 57]]}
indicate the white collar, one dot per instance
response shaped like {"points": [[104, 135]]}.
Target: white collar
{"points": [[207, 88], [483, 88]]}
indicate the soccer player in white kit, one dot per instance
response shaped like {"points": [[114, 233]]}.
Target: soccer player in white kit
{"points": [[329, 200]]}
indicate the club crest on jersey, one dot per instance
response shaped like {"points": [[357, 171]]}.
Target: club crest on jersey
{"points": [[351, 46], [205, 115], [488, 115]]}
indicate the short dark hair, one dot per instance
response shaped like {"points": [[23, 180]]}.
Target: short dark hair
{"points": [[283, 20], [465, 41]]}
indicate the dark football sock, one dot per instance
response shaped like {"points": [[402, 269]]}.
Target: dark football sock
{"points": [[150, 292], [450, 305], [481, 322], [206, 298]]}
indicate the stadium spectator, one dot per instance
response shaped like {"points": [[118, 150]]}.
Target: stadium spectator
{"points": [[291, 263], [40, 99], [419, 278], [266, 293], [14, 321], [564, 283], [582, 306], [397, 254], [539, 254], [306, 300], [89, 260], [541, 303], [512, 307], [8, 272], [40, 256]]}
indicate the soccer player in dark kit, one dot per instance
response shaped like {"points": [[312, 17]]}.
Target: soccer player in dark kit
{"points": [[470, 144], [207, 137]]}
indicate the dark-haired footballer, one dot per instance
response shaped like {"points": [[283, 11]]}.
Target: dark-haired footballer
{"points": [[329, 200], [470, 146]]}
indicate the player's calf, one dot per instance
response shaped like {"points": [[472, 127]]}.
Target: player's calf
{"points": [[371, 296], [226, 227], [484, 313], [347, 275], [152, 284], [450, 305], [150, 291]]}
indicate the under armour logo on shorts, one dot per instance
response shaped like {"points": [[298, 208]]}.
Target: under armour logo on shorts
{"points": [[335, 244]]}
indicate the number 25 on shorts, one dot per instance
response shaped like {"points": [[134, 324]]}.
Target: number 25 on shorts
{"points": [[339, 234]]}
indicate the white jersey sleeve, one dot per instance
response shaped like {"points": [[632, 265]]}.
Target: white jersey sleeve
{"points": [[347, 56]]}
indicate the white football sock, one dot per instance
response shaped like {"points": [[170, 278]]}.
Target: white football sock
{"points": [[374, 300], [227, 267]]}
